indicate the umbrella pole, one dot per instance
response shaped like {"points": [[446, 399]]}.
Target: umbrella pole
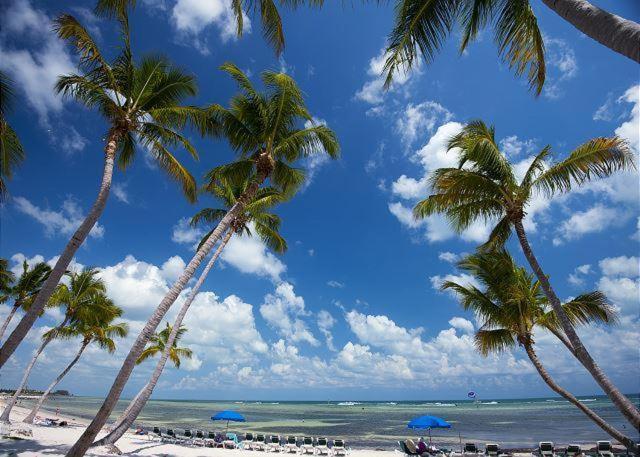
{"points": [[429, 436]]}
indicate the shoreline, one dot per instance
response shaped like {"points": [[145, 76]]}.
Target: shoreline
{"points": [[54, 440]]}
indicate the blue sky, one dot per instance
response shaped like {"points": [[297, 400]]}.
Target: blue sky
{"points": [[352, 310]]}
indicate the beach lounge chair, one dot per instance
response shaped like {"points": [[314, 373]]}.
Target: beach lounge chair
{"points": [[274, 444], [307, 445], [546, 449], [231, 441], [210, 439], [259, 444], [198, 439], [338, 448], [322, 446], [171, 436], [492, 449], [247, 442], [405, 449], [604, 449], [291, 444], [470, 449], [573, 450]]}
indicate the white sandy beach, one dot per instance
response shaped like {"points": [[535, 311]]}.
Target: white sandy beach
{"points": [[55, 441]]}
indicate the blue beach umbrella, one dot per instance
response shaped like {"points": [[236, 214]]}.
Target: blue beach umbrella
{"points": [[228, 415], [427, 423]]}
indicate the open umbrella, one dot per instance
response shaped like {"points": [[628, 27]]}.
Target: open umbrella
{"points": [[228, 415], [427, 423]]}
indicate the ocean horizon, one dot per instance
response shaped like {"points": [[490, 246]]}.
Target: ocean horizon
{"points": [[514, 423]]}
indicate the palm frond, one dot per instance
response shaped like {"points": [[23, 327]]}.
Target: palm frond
{"points": [[494, 341]]}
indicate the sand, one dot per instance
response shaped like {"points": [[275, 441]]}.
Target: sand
{"points": [[55, 441]]}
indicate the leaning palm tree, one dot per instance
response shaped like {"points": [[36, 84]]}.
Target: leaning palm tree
{"points": [[98, 327], [255, 218], [83, 297], [11, 151], [484, 187], [422, 26], [141, 103], [264, 128], [24, 291], [511, 306]]}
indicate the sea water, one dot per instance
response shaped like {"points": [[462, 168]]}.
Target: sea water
{"points": [[512, 423]]}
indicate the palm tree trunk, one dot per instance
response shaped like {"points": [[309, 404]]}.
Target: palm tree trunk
{"points": [[25, 377], [87, 437], [32, 415], [141, 399], [618, 398], [615, 32], [63, 262], [567, 395], [15, 307]]}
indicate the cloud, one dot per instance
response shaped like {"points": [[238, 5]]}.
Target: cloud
{"points": [[325, 323], [512, 146], [62, 222], [562, 66], [620, 266], [577, 277], [372, 91], [283, 310], [463, 279], [120, 192], [250, 255], [191, 18], [71, 141], [449, 257], [184, 233], [594, 220], [462, 324], [419, 119], [335, 284], [36, 64]]}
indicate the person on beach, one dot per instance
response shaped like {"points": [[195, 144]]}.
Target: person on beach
{"points": [[422, 447]]}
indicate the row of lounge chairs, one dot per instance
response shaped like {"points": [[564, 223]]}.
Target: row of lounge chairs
{"points": [[545, 449], [258, 442]]}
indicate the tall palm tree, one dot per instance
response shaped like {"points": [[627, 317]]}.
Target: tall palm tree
{"points": [[6, 279], [11, 151], [264, 129], [484, 186], [422, 26], [24, 291], [141, 104], [511, 306], [82, 298], [98, 327], [255, 217]]}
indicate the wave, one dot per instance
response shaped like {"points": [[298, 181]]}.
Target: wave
{"points": [[349, 403], [489, 402], [440, 404], [589, 399]]}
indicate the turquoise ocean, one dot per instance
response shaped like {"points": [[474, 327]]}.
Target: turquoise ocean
{"points": [[512, 423]]}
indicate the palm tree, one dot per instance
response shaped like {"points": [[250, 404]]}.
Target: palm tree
{"points": [[11, 151], [158, 344], [263, 128], [98, 327], [24, 290], [84, 297], [141, 103], [256, 217], [6, 279], [511, 306], [422, 26], [484, 186]]}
